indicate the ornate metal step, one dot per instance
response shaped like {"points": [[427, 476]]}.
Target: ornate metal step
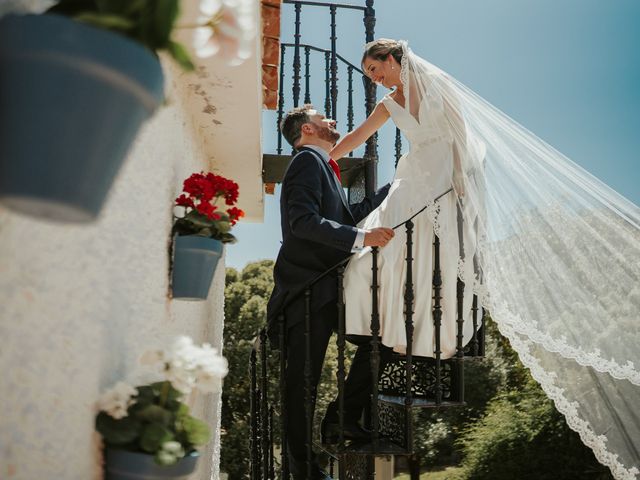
{"points": [[274, 167]]}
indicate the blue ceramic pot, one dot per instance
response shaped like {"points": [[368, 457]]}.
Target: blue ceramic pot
{"points": [[72, 98], [194, 262], [124, 465]]}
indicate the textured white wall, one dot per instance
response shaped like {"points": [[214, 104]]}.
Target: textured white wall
{"points": [[79, 304]]}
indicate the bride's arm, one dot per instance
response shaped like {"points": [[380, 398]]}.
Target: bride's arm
{"points": [[357, 137]]}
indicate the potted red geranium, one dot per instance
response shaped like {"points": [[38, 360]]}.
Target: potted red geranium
{"points": [[209, 213]]}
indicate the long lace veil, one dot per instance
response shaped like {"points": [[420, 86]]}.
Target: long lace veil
{"points": [[556, 261]]}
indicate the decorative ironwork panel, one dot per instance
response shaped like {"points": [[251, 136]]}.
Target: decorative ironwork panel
{"points": [[357, 189], [393, 378], [392, 423], [356, 467]]}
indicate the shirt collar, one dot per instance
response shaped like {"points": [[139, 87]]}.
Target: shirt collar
{"points": [[320, 151]]}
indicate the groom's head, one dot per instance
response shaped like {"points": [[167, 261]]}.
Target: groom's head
{"points": [[304, 125]]}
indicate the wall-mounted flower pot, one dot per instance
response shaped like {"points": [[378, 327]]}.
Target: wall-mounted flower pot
{"points": [[124, 465], [72, 98], [195, 260]]}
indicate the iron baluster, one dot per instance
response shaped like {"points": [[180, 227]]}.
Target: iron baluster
{"points": [[272, 471], [334, 66], [255, 453], [341, 355], [460, 310], [375, 349], [437, 316], [296, 58], [350, 101], [281, 98], [408, 315], [327, 83], [398, 146], [371, 148], [284, 449], [264, 414], [474, 338], [307, 75], [307, 379]]}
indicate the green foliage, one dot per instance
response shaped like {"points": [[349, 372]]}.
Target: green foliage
{"points": [[149, 22], [523, 436], [246, 295], [519, 433], [158, 416], [195, 223]]}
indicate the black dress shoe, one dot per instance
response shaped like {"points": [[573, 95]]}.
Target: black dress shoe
{"points": [[330, 432]]}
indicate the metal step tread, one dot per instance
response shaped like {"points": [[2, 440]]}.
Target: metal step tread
{"points": [[418, 402], [274, 166], [385, 447]]}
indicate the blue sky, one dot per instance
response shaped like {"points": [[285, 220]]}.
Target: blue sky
{"points": [[567, 70]]}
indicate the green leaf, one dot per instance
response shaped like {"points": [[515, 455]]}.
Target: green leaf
{"points": [[153, 436], [198, 219], [105, 20], [111, 6], [134, 6], [117, 431], [197, 431], [165, 14], [146, 395], [155, 414], [180, 55], [223, 226]]}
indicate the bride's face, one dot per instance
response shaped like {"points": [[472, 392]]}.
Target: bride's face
{"points": [[383, 72]]}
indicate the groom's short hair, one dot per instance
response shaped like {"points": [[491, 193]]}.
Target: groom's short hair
{"points": [[291, 125]]}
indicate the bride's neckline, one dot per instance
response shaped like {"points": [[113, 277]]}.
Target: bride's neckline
{"points": [[416, 117]]}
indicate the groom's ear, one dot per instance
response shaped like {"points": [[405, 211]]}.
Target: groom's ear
{"points": [[307, 128]]}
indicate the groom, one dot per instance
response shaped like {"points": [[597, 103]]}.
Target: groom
{"points": [[318, 231]]}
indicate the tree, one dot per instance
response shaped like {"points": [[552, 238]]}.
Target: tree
{"points": [[246, 295]]}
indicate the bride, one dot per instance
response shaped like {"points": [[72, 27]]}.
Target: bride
{"points": [[551, 252]]}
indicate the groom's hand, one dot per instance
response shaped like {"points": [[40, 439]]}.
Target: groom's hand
{"points": [[378, 237]]}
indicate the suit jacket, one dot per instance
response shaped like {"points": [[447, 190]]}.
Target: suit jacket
{"points": [[318, 231]]}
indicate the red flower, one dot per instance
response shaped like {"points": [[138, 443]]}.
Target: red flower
{"points": [[208, 210], [184, 201], [235, 214]]}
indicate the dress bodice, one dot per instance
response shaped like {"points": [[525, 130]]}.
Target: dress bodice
{"points": [[429, 126]]}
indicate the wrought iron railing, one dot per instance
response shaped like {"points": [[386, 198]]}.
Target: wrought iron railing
{"points": [[408, 381]]}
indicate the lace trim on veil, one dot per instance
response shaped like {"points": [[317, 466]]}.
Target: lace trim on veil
{"points": [[569, 409]]}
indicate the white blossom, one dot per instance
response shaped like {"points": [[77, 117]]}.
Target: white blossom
{"points": [[188, 366], [226, 28], [117, 400]]}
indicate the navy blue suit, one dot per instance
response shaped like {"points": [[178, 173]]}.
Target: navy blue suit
{"points": [[318, 231]]}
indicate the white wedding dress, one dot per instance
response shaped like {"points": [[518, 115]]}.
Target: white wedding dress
{"points": [[551, 252], [424, 172]]}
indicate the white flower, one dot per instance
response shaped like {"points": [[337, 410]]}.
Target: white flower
{"points": [[226, 27], [117, 400], [189, 366], [174, 448]]}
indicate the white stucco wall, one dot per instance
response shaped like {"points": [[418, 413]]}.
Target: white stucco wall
{"points": [[79, 304]]}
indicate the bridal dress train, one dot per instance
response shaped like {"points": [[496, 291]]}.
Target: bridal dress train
{"points": [[551, 252]]}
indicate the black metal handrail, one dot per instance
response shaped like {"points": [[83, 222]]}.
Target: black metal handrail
{"points": [[324, 50], [325, 4]]}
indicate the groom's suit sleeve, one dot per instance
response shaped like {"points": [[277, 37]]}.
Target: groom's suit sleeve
{"points": [[304, 192]]}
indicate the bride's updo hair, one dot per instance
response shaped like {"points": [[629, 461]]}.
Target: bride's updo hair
{"points": [[380, 49]]}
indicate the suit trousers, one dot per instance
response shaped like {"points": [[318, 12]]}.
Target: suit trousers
{"points": [[357, 393]]}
